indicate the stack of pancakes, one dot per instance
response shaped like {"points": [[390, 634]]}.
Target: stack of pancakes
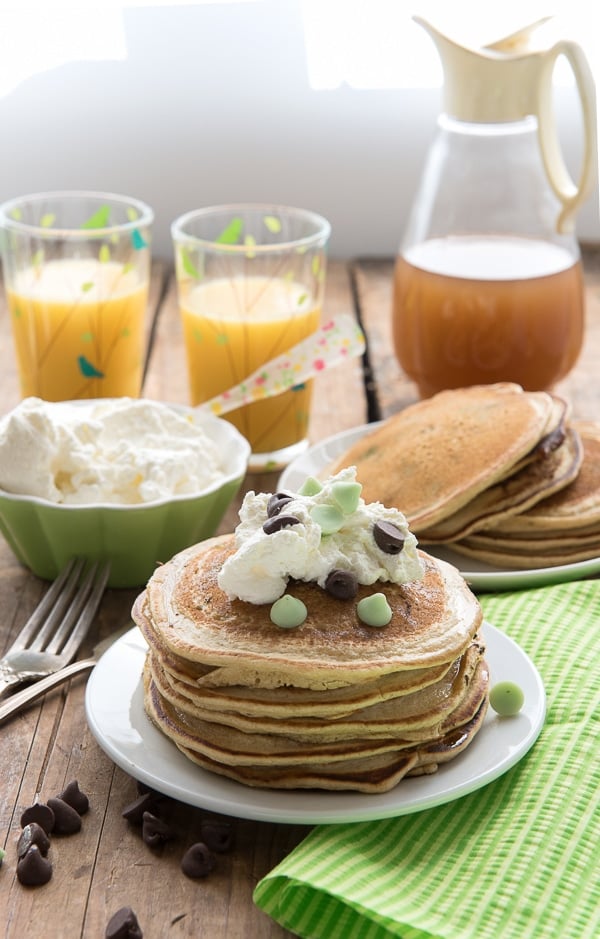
{"points": [[561, 529], [472, 464], [331, 704]]}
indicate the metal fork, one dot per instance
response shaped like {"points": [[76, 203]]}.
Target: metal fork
{"points": [[57, 627]]}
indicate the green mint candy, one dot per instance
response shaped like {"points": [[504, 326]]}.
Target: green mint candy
{"points": [[506, 698], [374, 610], [288, 612], [310, 486], [327, 517], [347, 496]]}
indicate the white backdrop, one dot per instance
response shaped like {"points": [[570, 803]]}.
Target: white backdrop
{"points": [[213, 104]]}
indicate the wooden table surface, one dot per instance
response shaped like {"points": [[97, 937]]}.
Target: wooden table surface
{"points": [[106, 865]]}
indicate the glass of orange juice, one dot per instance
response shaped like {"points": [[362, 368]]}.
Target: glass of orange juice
{"points": [[250, 281], [76, 275]]}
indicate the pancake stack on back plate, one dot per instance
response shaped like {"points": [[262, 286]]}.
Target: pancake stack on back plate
{"points": [[469, 464], [561, 529], [332, 704]]}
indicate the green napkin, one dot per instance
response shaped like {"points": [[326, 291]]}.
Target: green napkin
{"points": [[518, 859]]}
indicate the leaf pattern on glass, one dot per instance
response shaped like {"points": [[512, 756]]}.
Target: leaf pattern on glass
{"points": [[272, 224], [100, 219], [104, 254], [137, 240], [47, 220], [188, 265], [88, 369], [232, 233]]}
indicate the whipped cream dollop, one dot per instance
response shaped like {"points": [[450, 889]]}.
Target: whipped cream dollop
{"points": [[126, 451], [333, 529]]}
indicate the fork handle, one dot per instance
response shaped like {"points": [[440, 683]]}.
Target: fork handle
{"points": [[38, 688]]}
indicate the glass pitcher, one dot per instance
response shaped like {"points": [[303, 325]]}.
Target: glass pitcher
{"points": [[488, 282]]}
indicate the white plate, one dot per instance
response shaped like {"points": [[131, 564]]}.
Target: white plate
{"points": [[116, 716], [479, 575]]}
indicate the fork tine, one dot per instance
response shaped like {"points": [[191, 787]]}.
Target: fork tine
{"points": [[81, 612], [67, 612], [44, 606], [48, 625], [86, 610]]}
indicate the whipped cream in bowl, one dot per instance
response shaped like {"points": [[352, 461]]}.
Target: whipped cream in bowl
{"points": [[131, 480]]}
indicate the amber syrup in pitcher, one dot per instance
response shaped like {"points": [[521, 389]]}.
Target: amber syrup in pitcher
{"points": [[480, 309]]}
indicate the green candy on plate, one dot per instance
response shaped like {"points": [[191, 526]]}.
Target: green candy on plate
{"points": [[506, 698]]}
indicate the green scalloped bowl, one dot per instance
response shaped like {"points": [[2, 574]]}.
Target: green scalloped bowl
{"points": [[135, 538]]}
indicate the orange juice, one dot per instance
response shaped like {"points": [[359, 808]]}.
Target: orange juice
{"points": [[78, 326], [470, 310], [234, 325]]}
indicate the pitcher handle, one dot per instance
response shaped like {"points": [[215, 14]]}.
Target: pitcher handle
{"points": [[570, 194]]}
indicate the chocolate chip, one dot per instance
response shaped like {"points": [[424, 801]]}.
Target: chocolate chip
{"points": [[40, 813], [66, 820], [155, 832], [134, 812], [218, 836], [33, 834], [198, 861], [276, 503], [341, 584], [74, 797], [388, 537], [33, 870], [123, 925], [278, 522]]}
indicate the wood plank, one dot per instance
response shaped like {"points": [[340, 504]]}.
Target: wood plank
{"points": [[373, 278]]}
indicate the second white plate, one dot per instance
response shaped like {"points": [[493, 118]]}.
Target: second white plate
{"points": [[479, 576]]}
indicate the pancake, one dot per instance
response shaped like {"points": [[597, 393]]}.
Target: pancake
{"points": [[378, 770], [518, 492], [414, 716], [382, 675], [434, 620], [298, 702], [575, 507], [435, 456], [563, 528], [525, 559]]}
